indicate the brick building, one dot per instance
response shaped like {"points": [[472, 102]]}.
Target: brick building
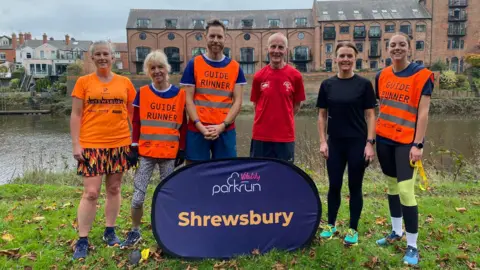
{"points": [[121, 56], [7, 48], [312, 33]]}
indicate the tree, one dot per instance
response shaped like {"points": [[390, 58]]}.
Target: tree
{"points": [[75, 69], [472, 58]]}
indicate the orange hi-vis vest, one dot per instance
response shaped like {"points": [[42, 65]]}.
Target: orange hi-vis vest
{"points": [[161, 119], [214, 90], [399, 101]]}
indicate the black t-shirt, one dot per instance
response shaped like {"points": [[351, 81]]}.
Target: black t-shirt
{"points": [[346, 101]]}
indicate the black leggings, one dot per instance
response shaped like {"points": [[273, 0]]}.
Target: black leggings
{"points": [[340, 152]]}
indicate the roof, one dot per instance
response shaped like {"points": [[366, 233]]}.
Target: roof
{"points": [[59, 44], [6, 47], [353, 10], [185, 17], [120, 47]]}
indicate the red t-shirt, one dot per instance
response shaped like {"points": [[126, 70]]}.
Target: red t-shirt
{"points": [[275, 91]]}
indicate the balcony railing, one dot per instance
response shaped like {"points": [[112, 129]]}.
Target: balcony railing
{"points": [[171, 25], [247, 58], [457, 3], [461, 18], [138, 57], [457, 32], [374, 33], [407, 32], [297, 57], [375, 53], [359, 34], [329, 35], [175, 59], [40, 73]]}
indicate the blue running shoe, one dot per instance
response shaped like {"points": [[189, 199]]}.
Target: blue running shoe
{"points": [[133, 237], [81, 249], [328, 232], [351, 239], [111, 239], [389, 239], [411, 256]]}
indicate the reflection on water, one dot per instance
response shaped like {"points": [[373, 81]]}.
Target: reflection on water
{"points": [[28, 142]]}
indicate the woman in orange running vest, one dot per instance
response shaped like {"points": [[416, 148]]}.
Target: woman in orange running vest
{"points": [[404, 91], [159, 131], [99, 124]]}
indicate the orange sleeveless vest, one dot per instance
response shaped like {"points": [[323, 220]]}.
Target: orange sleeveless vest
{"points": [[399, 101], [214, 90], [161, 119]]}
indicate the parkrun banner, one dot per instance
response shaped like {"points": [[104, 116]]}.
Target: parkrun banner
{"points": [[225, 208]]}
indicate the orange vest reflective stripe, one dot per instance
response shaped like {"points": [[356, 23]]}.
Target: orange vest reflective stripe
{"points": [[399, 101], [160, 119], [214, 90]]}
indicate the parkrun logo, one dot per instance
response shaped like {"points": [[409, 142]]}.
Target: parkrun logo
{"points": [[244, 182]]}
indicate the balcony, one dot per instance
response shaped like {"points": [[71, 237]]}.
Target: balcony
{"points": [[460, 18], [329, 35], [40, 74], [300, 57], [457, 32], [247, 58], [407, 32], [374, 33], [457, 3], [175, 58], [375, 53], [140, 57], [171, 26], [359, 34]]}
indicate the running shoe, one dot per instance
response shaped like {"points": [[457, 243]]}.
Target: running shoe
{"points": [[389, 239], [411, 256], [328, 231], [133, 237], [81, 249], [351, 238], [111, 239]]}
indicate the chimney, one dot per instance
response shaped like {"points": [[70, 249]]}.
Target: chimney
{"points": [[45, 40], [20, 36], [67, 39], [28, 36], [14, 41]]}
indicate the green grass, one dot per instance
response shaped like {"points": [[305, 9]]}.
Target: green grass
{"points": [[448, 238]]}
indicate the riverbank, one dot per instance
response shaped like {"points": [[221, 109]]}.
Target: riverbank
{"points": [[38, 221]]}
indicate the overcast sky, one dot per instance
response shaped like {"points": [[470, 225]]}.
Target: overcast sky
{"points": [[102, 19]]}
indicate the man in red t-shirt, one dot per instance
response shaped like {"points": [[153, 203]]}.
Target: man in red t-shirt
{"points": [[277, 92]]}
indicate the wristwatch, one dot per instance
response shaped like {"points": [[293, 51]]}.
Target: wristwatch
{"points": [[226, 124], [418, 145], [371, 141]]}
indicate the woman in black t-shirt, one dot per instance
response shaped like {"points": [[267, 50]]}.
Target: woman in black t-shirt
{"points": [[347, 100]]}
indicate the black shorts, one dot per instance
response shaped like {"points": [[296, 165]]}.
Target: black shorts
{"points": [[395, 160], [279, 150]]}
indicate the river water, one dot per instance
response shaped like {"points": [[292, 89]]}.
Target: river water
{"points": [[43, 142]]}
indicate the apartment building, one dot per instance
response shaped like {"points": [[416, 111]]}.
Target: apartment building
{"points": [[440, 30], [7, 48]]}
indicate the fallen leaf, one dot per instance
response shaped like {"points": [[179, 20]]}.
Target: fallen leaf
{"points": [[256, 252], [444, 258], [472, 265], [50, 208], [31, 256], [372, 262], [53, 267], [62, 226], [121, 264], [463, 246], [11, 253], [380, 221], [220, 265], [8, 218], [312, 253], [279, 266], [66, 205], [429, 219], [462, 256], [294, 261], [27, 268], [7, 237], [460, 209], [191, 268], [450, 228], [75, 224], [38, 218]]}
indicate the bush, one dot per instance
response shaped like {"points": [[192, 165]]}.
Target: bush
{"points": [[448, 80], [439, 66], [42, 84], [475, 72], [15, 83], [75, 69], [3, 69], [60, 87]]}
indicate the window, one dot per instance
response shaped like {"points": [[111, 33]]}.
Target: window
{"points": [[358, 64], [456, 29], [173, 56], [359, 32], [143, 23], [29, 55], [226, 52], [247, 23], [54, 54], [388, 62], [143, 36], [3, 56], [340, 12], [198, 36], [225, 22], [171, 36], [171, 23], [301, 35], [406, 29], [387, 42], [454, 64], [356, 12], [421, 28], [394, 11], [300, 53], [246, 36], [374, 31], [344, 29], [359, 47], [374, 48], [141, 53], [329, 48], [373, 64], [198, 23], [247, 54], [198, 50], [329, 32], [419, 45], [328, 65], [274, 23], [301, 22], [455, 43], [390, 28]]}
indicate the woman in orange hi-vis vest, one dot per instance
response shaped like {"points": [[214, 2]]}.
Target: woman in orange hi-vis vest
{"points": [[99, 126], [403, 90], [159, 131]]}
